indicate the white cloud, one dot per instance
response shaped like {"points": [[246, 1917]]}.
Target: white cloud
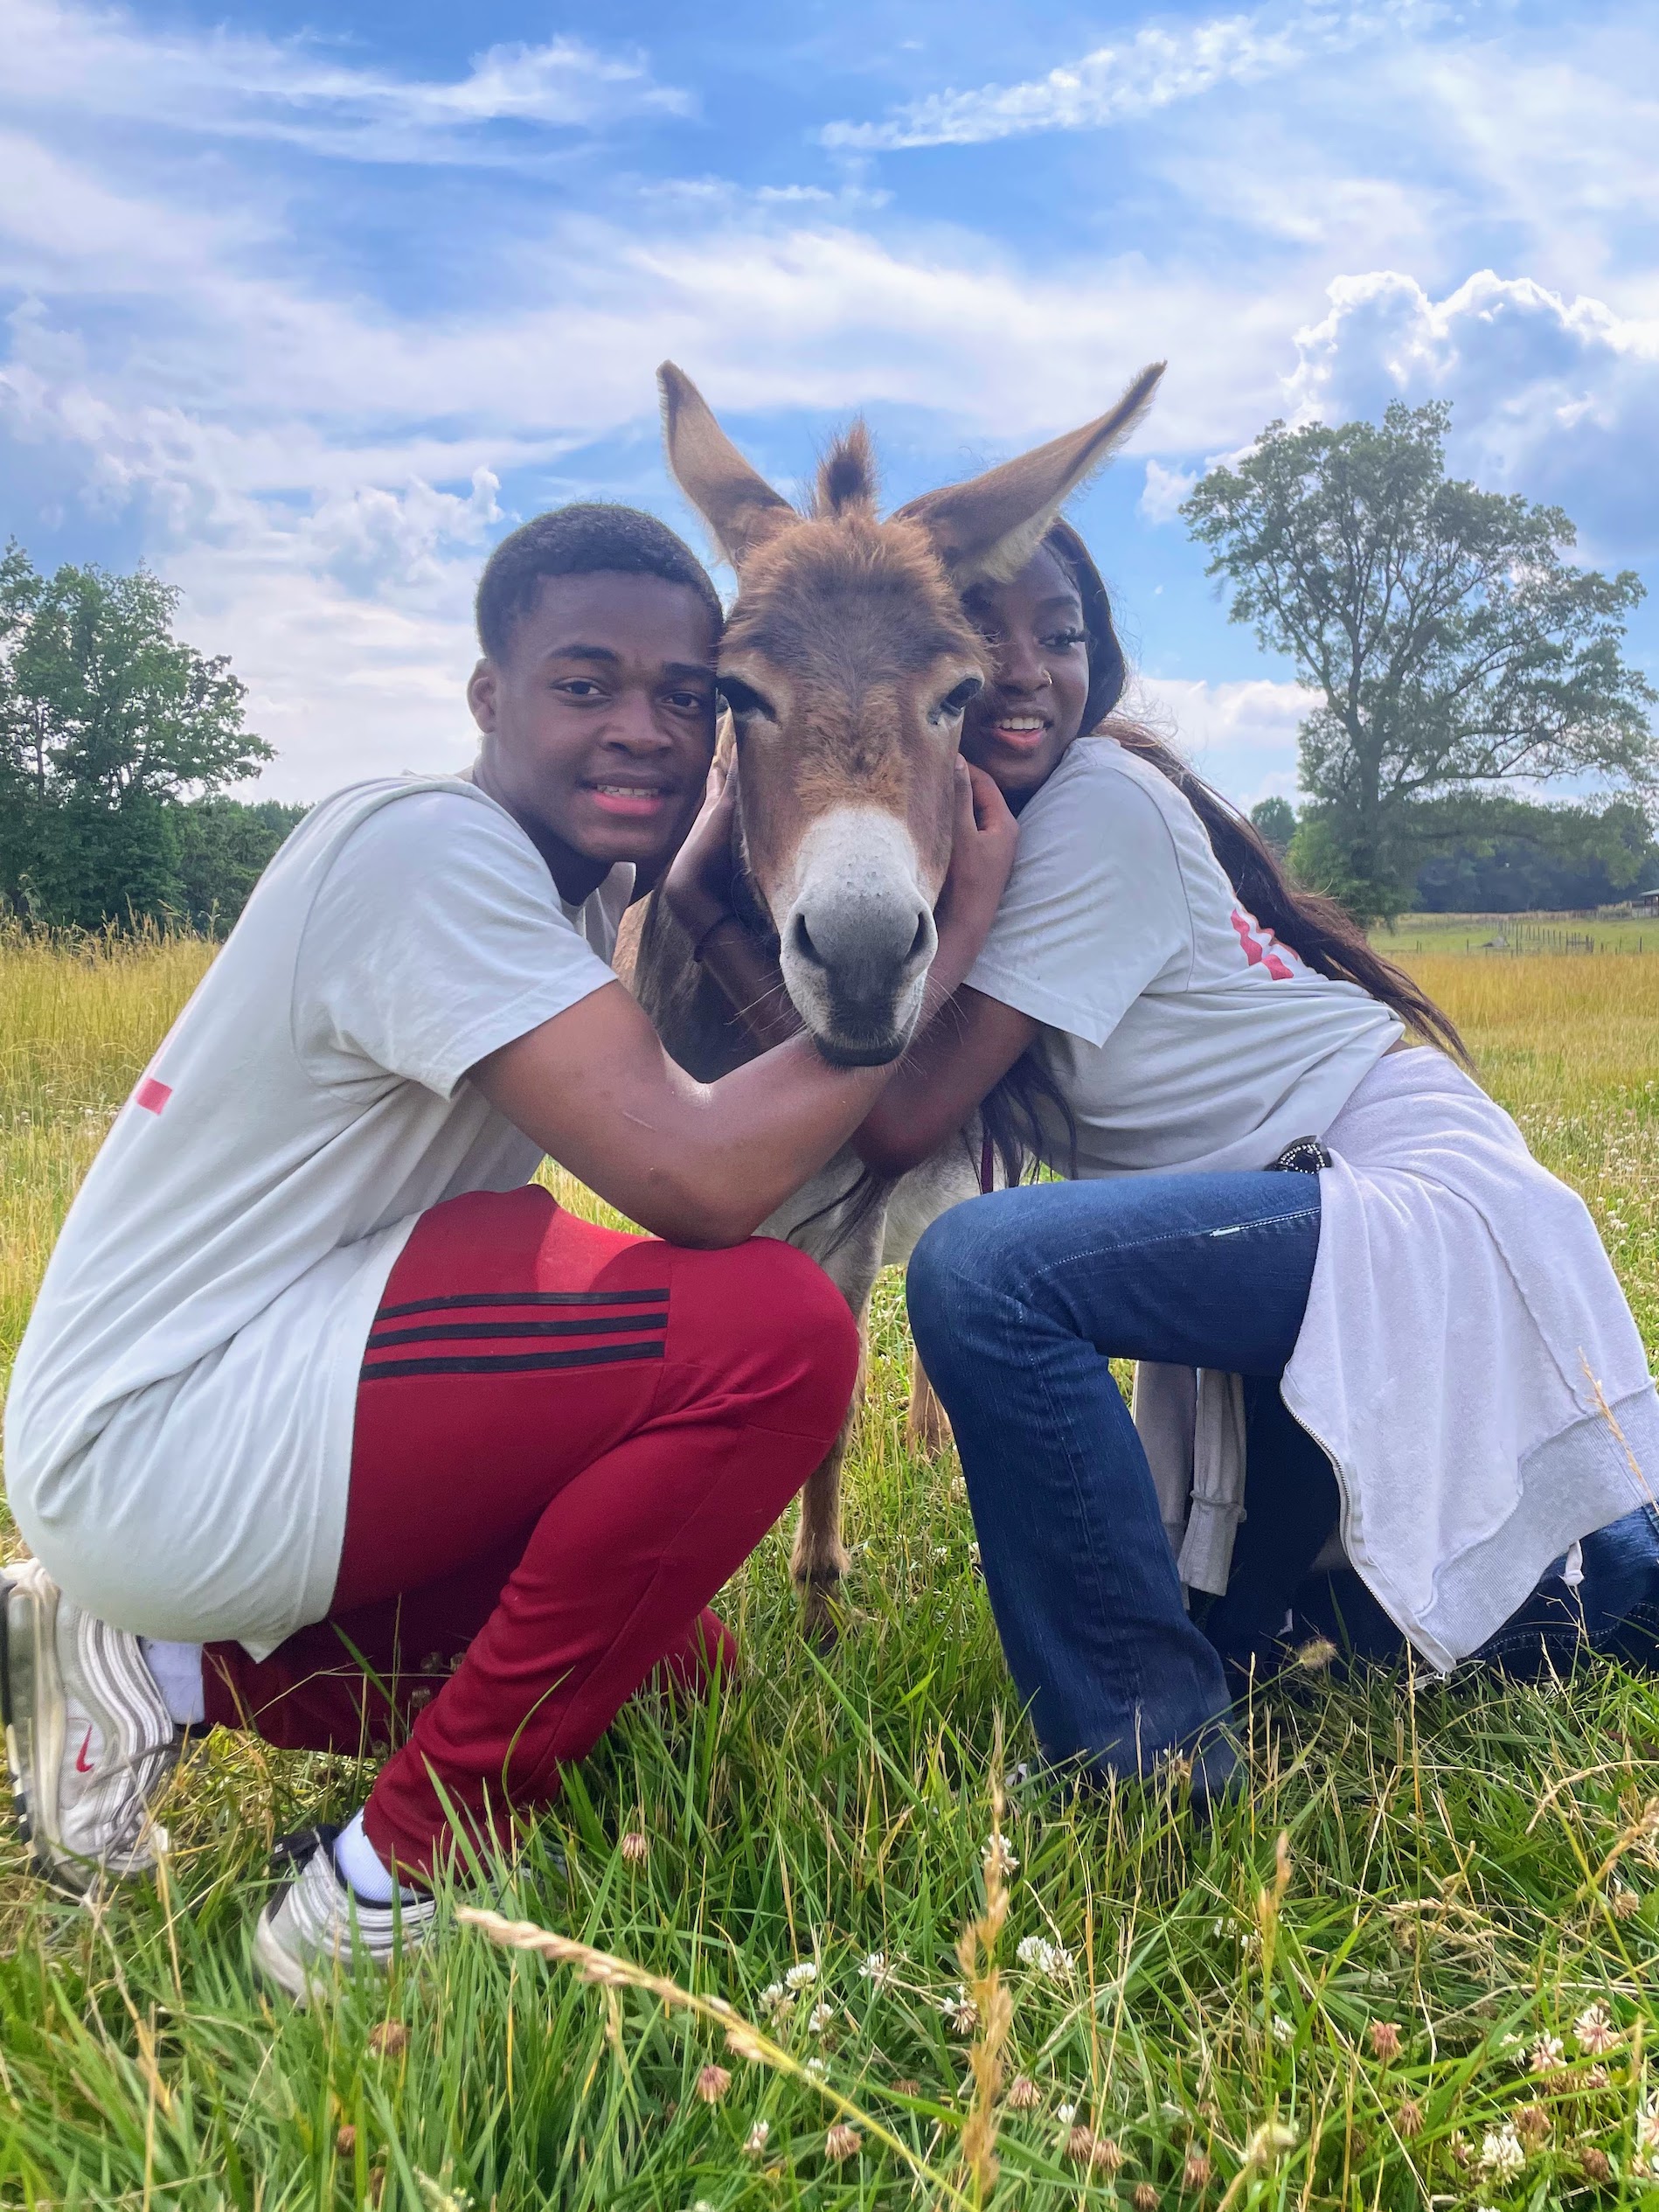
{"points": [[1154, 69], [1241, 736], [1556, 397], [101, 63], [1163, 491]]}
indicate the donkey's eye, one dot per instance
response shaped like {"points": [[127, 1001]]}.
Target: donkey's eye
{"points": [[949, 708], [743, 700]]}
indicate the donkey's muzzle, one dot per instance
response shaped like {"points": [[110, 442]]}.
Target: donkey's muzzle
{"points": [[859, 939]]}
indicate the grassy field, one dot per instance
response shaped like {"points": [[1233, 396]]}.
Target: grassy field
{"points": [[1438, 1991], [1521, 933]]}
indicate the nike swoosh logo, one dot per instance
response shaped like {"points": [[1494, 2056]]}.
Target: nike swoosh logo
{"points": [[83, 1764]]}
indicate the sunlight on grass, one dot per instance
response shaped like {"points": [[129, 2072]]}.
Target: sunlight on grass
{"points": [[1439, 1996]]}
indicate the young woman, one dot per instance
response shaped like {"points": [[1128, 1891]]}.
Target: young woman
{"points": [[1409, 1351]]}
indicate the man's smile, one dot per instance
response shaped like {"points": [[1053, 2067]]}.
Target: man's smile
{"points": [[637, 797]]}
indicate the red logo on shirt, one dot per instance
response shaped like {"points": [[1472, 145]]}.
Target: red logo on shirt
{"points": [[83, 1764], [152, 1095], [1257, 953]]}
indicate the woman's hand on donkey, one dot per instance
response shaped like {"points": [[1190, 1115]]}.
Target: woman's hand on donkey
{"points": [[981, 858], [698, 885]]}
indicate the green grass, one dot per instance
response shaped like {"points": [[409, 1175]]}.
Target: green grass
{"points": [[1467, 1866], [1606, 931]]}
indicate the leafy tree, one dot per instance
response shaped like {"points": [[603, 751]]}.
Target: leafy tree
{"points": [[108, 724], [220, 848], [1513, 857], [1276, 819], [1451, 643]]}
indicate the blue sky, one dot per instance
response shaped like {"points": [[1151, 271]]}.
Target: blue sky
{"points": [[306, 308]]}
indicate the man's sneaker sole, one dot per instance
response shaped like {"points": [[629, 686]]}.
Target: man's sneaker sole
{"points": [[32, 1702]]}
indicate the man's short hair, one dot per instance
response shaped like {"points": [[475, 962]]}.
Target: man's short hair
{"points": [[588, 539]]}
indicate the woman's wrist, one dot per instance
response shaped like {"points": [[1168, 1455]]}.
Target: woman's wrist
{"points": [[703, 935], [695, 906]]}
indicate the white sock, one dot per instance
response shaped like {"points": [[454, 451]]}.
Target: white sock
{"points": [[177, 1670], [362, 1868]]}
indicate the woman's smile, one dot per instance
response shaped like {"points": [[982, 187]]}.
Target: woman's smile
{"points": [[1024, 732]]}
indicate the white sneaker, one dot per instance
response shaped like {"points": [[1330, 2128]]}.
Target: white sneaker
{"points": [[318, 1929], [89, 1739]]}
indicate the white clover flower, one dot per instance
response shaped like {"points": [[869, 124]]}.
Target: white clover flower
{"points": [[1594, 2030], [1647, 2126], [1546, 2055], [1282, 2030], [1052, 1960], [776, 1999], [1065, 2114], [960, 2011], [876, 1970], [819, 2018], [801, 1976], [1503, 2154], [816, 2068], [758, 2136], [999, 1851]]}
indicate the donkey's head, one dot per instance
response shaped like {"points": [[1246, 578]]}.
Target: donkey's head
{"points": [[846, 663]]}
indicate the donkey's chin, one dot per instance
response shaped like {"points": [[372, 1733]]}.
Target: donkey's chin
{"points": [[854, 1029], [860, 1052]]}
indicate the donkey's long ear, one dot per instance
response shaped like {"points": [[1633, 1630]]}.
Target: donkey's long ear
{"points": [[739, 504], [987, 529]]}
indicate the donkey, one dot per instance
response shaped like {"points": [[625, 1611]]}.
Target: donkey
{"points": [[845, 667]]}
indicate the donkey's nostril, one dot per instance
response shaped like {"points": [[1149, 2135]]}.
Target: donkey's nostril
{"points": [[803, 943], [922, 944]]}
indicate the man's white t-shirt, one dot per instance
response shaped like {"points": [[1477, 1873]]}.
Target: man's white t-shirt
{"points": [[179, 1430], [1180, 1032]]}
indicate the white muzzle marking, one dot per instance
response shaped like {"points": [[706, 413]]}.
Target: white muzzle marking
{"points": [[857, 937]]}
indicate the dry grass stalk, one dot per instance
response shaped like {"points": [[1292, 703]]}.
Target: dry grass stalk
{"points": [[1268, 1902], [612, 1973], [982, 1982]]}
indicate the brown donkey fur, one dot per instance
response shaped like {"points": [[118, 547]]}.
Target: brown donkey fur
{"points": [[845, 665]]}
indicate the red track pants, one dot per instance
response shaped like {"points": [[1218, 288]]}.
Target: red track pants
{"points": [[566, 1440]]}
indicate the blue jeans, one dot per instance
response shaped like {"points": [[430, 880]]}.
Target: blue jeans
{"points": [[1018, 1303]]}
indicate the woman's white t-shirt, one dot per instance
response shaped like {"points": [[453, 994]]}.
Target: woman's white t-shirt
{"points": [[178, 1429], [1181, 1034]]}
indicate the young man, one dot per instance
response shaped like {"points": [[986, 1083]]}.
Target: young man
{"points": [[318, 1388]]}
